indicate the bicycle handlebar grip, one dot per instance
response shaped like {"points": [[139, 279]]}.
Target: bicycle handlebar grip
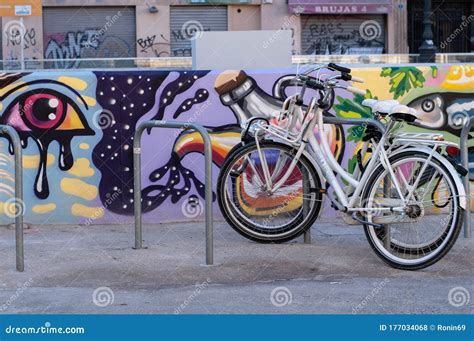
{"points": [[356, 90], [346, 76], [314, 84], [357, 79], [339, 68]]}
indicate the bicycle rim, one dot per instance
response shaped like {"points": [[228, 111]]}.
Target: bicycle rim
{"points": [[423, 231], [263, 214]]}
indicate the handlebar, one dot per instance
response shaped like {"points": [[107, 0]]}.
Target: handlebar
{"points": [[357, 79], [356, 90], [330, 82], [339, 68], [314, 84]]}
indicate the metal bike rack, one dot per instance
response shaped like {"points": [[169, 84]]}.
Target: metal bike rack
{"points": [[208, 181], [465, 163], [17, 151]]}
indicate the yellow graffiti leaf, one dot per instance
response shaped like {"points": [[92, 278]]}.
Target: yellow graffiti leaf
{"points": [[9, 87], [82, 168], [42, 209], [73, 82], [32, 161], [350, 114], [84, 146], [89, 100], [80, 210], [79, 188]]}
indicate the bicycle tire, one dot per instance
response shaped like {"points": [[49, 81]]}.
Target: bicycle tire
{"points": [[445, 244], [291, 231]]}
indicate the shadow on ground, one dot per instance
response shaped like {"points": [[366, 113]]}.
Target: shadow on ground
{"points": [[93, 269]]}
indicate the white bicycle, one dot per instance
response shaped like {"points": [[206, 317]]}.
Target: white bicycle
{"points": [[407, 195]]}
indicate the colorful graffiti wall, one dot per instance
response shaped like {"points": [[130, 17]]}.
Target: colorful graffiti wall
{"points": [[77, 132]]}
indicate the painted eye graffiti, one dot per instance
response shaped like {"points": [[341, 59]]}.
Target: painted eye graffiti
{"points": [[47, 115], [43, 111], [428, 105]]}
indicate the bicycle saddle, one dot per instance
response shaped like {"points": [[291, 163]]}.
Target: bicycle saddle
{"points": [[378, 106], [392, 108], [403, 113]]}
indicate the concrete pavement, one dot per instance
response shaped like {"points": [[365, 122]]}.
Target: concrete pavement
{"points": [[93, 269]]}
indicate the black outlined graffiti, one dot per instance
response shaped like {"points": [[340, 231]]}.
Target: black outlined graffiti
{"points": [[46, 115], [71, 47], [150, 45]]}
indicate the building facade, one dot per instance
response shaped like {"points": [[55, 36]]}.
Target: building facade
{"points": [[76, 29]]}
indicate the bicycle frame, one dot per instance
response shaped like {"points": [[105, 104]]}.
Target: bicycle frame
{"points": [[328, 165]]}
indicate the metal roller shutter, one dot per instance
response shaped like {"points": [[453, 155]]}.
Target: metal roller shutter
{"points": [[188, 21], [354, 34], [88, 32]]}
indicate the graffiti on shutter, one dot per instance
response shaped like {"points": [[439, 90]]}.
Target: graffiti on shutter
{"points": [[336, 35]]}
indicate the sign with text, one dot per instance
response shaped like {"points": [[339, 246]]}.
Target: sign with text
{"points": [[340, 6], [20, 8]]}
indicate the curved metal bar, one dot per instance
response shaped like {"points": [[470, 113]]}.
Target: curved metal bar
{"points": [[465, 163], [208, 181], [19, 203], [354, 121]]}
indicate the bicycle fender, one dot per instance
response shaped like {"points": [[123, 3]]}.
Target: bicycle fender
{"points": [[457, 180]]}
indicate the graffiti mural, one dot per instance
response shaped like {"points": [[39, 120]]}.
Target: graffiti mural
{"points": [[77, 131], [327, 36], [52, 114], [91, 43], [20, 39], [153, 46]]}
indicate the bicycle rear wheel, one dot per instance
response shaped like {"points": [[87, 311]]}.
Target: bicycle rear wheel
{"points": [[256, 213], [427, 229]]}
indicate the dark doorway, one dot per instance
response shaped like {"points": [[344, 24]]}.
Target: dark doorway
{"points": [[450, 35]]}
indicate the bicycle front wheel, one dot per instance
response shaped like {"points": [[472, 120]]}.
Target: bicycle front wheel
{"points": [[426, 229], [255, 212]]}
